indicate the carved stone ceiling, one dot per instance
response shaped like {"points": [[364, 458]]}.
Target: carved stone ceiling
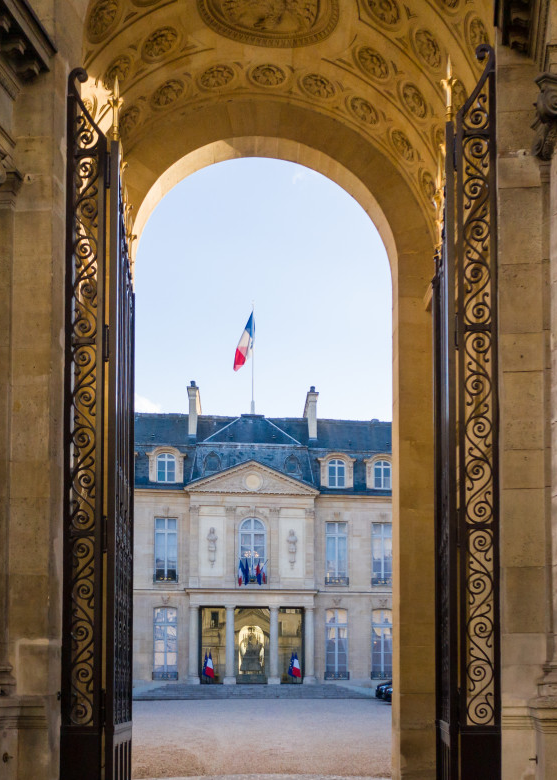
{"points": [[374, 65]]}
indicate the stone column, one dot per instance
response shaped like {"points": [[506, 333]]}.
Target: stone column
{"points": [[309, 642], [193, 664], [229, 672], [273, 678]]}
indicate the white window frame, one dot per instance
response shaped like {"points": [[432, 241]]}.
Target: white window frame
{"points": [[348, 470], [165, 533], [168, 671], [253, 558], [336, 625], [385, 576], [379, 628], [371, 463], [337, 529], [179, 457]]}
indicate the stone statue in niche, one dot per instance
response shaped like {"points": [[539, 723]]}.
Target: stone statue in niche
{"points": [[292, 542], [251, 660], [212, 545]]}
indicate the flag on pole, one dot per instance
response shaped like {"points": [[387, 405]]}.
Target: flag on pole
{"points": [[258, 573], [291, 665], [204, 670], [245, 570], [240, 572], [245, 345], [296, 669], [210, 669]]}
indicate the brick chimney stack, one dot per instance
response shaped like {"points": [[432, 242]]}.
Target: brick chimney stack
{"points": [[194, 409], [310, 412]]}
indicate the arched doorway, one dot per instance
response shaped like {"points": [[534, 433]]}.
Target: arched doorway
{"points": [[377, 141]]}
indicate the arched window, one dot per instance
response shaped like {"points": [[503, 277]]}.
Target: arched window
{"points": [[212, 463], [253, 547], [165, 644], [381, 644], [337, 473], [336, 644], [382, 475], [166, 468]]}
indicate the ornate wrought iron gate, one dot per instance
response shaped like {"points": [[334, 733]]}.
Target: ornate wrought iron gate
{"points": [[98, 431], [466, 415]]}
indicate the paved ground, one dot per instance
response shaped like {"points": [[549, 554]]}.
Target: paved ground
{"points": [[309, 739]]}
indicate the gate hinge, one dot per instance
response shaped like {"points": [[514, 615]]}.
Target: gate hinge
{"points": [[107, 172], [104, 533], [106, 348], [103, 707]]}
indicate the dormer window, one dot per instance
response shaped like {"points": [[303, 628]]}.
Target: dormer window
{"points": [[212, 463], [166, 468], [337, 471], [378, 473]]}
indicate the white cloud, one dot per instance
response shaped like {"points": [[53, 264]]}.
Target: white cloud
{"points": [[145, 405], [300, 175]]}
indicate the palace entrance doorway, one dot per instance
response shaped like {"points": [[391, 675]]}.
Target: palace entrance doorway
{"points": [[350, 101]]}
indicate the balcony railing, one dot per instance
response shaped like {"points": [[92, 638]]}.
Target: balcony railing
{"points": [[382, 581], [165, 675], [160, 576], [334, 579], [337, 675]]}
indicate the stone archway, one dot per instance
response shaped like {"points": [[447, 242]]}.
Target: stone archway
{"points": [[357, 99]]}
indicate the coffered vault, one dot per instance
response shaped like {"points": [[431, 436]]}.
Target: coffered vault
{"points": [[192, 73]]}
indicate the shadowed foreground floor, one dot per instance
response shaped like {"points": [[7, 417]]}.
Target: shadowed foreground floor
{"points": [[342, 738]]}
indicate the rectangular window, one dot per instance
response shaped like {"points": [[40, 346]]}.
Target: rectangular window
{"points": [[165, 646], [336, 560], [382, 554], [166, 549], [336, 645]]}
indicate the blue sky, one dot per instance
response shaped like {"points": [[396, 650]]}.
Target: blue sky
{"points": [[310, 259]]}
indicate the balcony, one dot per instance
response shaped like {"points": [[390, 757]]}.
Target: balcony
{"points": [[385, 581], [336, 579], [337, 676]]}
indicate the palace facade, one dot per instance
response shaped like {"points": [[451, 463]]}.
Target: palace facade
{"points": [[258, 538]]}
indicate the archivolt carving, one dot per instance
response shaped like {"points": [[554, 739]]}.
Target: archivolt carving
{"points": [[372, 62], [120, 68], [476, 32], [427, 48], [267, 75], [167, 93], [102, 18], [129, 120], [317, 86], [216, 76], [285, 23], [402, 145], [159, 43], [451, 4], [363, 110], [428, 186], [414, 100], [386, 11], [459, 94]]}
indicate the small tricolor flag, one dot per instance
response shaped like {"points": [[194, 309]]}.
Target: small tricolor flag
{"points": [[245, 345], [208, 669], [294, 669]]}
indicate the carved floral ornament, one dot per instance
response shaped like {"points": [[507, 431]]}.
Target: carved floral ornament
{"points": [[167, 93], [546, 117], [363, 110], [102, 18], [385, 11], [427, 48], [317, 86], [120, 68], [284, 23], [216, 76], [414, 100], [372, 62], [159, 44], [402, 145], [267, 75], [476, 33]]}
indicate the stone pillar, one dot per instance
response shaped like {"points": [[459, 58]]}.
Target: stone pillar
{"points": [[273, 678], [193, 664], [229, 672], [309, 642]]}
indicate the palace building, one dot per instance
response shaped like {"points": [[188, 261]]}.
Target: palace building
{"points": [[257, 539]]}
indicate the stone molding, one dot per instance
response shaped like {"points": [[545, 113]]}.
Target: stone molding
{"points": [[546, 117], [22, 712], [543, 710], [25, 46], [251, 478]]}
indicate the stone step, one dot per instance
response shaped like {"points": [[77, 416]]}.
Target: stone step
{"points": [[243, 691]]}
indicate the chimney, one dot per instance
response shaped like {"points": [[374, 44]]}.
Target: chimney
{"points": [[310, 412], [194, 409]]}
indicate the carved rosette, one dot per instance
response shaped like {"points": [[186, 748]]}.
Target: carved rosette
{"points": [[546, 117], [286, 23], [129, 120], [413, 100], [120, 67], [402, 145], [476, 34], [427, 48], [103, 17], [167, 93], [267, 75], [371, 62], [427, 184], [159, 44], [386, 12], [317, 86], [362, 110], [216, 77], [459, 95]]}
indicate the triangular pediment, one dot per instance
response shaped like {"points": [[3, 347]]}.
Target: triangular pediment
{"points": [[251, 478]]}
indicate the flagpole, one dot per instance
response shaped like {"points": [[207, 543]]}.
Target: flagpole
{"points": [[252, 366]]}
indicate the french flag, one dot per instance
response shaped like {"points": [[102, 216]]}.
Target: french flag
{"points": [[296, 670], [210, 670], [245, 345]]}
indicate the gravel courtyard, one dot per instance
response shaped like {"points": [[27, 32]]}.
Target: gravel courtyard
{"points": [[342, 738]]}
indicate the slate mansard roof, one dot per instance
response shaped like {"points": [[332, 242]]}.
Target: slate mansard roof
{"points": [[280, 443]]}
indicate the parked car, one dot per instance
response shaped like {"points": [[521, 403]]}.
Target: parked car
{"points": [[388, 694], [380, 690]]}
